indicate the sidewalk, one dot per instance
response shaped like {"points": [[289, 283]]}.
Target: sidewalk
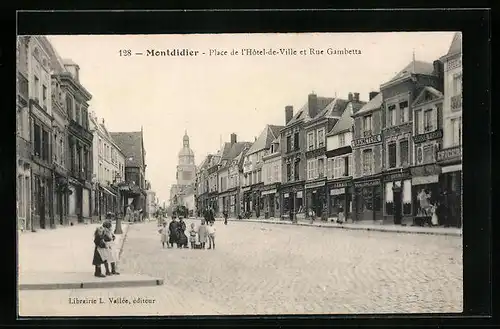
{"points": [[61, 258], [451, 231]]}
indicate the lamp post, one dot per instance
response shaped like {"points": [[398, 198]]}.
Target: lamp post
{"points": [[118, 225]]}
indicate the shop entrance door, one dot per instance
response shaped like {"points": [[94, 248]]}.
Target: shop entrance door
{"points": [[398, 206], [41, 205]]}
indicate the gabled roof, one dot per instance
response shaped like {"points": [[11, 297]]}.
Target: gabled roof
{"points": [[428, 90], [131, 144], [345, 123], [374, 104], [235, 151], [265, 138], [414, 67], [456, 44], [303, 113], [333, 110]]}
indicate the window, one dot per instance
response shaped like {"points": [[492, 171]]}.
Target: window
{"points": [[37, 143], [36, 88], [391, 115], [61, 150], [321, 168], [338, 169], [428, 122], [310, 169], [276, 173], [288, 143], [330, 168], [456, 129], [69, 106], [403, 152], [428, 151], [457, 84], [45, 145], [351, 165], [296, 170], [367, 125], [296, 141], [288, 172], [416, 119], [367, 162], [346, 166], [44, 94], [321, 137], [341, 140], [310, 141], [391, 154], [404, 114]]}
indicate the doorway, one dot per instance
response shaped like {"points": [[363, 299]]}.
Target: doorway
{"points": [[41, 205], [398, 206]]}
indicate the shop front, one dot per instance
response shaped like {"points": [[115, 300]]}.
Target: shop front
{"points": [[42, 183], [213, 202], [368, 199], [257, 200], [61, 191], [450, 182], [340, 199], [292, 200], [270, 195], [227, 202], [426, 192], [316, 200], [398, 197], [246, 201]]}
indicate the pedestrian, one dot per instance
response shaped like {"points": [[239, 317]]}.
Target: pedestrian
{"points": [[164, 234], [100, 252], [109, 238], [225, 217], [192, 236], [172, 229], [211, 215], [211, 235], [202, 234]]}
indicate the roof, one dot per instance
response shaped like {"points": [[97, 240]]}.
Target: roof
{"points": [[421, 98], [334, 109], [303, 113], [265, 139], [456, 44], [56, 63], [346, 121], [414, 67], [236, 151], [131, 144], [374, 104], [69, 61]]}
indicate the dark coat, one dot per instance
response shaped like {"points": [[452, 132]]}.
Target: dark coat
{"points": [[98, 242], [174, 234]]}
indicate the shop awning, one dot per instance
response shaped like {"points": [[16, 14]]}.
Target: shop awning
{"points": [[108, 191], [422, 180]]}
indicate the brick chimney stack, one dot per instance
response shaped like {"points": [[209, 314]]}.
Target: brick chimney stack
{"points": [[288, 113], [233, 138], [312, 102], [349, 97], [356, 97]]}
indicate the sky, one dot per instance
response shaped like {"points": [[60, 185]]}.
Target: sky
{"points": [[214, 96]]}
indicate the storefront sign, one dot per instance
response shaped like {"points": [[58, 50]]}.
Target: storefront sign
{"points": [[339, 184], [367, 140], [423, 180], [426, 170], [451, 153], [286, 195], [428, 136], [367, 183], [315, 184], [397, 176], [299, 194], [245, 189], [337, 191], [269, 192]]}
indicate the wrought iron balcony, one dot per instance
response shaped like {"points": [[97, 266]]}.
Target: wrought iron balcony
{"points": [[456, 102]]}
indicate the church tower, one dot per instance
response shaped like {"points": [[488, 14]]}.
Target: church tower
{"points": [[186, 168]]}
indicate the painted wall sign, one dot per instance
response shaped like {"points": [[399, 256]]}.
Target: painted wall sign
{"points": [[367, 140], [339, 184], [428, 136], [315, 184], [337, 191], [367, 183], [397, 176], [449, 153], [426, 170]]}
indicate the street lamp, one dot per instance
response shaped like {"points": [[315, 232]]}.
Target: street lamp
{"points": [[118, 225]]}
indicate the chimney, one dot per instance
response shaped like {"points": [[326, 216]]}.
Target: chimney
{"points": [[288, 113], [233, 138], [349, 97], [356, 97], [438, 68], [373, 94], [312, 102], [103, 121]]}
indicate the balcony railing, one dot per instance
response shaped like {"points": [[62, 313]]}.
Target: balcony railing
{"points": [[456, 102]]}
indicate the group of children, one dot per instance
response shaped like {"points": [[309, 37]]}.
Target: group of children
{"points": [[197, 237]]}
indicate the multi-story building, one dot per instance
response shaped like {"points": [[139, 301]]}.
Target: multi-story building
{"points": [[108, 170], [40, 106], [183, 192], [339, 162], [151, 202], [202, 188], [397, 125], [23, 138], [367, 155], [450, 157], [293, 149], [228, 179], [272, 179], [80, 139], [316, 128], [252, 169], [133, 188], [213, 179]]}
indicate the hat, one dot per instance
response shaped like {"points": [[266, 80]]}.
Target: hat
{"points": [[107, 224]]}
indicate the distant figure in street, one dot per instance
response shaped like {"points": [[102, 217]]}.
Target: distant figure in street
{"points": [[164, 234], [129, 214], [211, 235], [99, 252], [192, 236], [202, 234], [211, 215], [225, 217], [173, 227]]}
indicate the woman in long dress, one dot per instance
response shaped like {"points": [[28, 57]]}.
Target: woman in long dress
{"points": [[100, 252], [434, 218], [112, 257]]}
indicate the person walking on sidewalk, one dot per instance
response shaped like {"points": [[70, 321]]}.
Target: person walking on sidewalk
{"points": [[112, 257], [211, 235], [202, 234]]}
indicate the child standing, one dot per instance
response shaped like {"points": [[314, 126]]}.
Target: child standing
{"points": [[192, 236], [202, 234], [211, 235], [164, 234]]}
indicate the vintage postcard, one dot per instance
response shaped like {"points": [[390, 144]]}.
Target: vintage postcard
{"points": [[153, 171]]}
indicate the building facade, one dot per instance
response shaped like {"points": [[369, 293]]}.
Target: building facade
{"points": [[108, 170], [151, 202], [272, 179], [182, 193], [397, 131], [202, 188], [450, 157], [367, 154], [23, 138]]}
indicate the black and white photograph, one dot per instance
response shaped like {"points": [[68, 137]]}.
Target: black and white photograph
{"points": [[239, 174]]}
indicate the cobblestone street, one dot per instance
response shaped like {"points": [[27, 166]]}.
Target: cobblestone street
{"points": [[266, 269]]}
